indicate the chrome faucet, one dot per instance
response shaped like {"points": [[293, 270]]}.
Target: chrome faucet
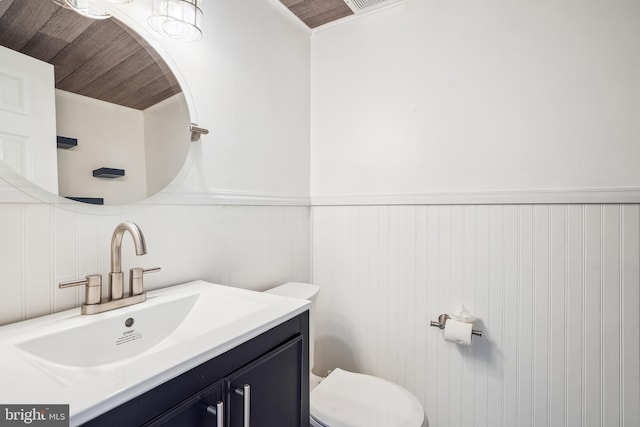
{"points": [[93, 303], [116, 287]]}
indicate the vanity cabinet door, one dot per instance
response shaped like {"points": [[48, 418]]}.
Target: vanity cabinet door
{"points": [[269, 389], [199, 410]]}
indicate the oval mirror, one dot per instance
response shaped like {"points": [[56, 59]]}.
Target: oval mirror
{"points": [[88, 109]]}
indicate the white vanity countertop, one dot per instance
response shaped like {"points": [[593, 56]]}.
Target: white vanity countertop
{"points": [[96, 388]]}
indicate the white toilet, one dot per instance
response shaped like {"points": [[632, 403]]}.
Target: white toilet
{"points": [[347, 399]]}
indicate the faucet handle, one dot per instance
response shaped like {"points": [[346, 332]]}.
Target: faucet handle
{"points": [[135, 279], [93, 290]]}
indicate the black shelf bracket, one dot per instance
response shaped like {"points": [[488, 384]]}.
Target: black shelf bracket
{"points": [[108, 173]]}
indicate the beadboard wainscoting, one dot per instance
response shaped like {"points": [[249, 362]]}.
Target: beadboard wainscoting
{"points": [[555, 288], [253, 247]]}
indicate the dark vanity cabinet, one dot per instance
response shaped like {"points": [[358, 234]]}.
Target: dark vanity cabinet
{"points": [[267, 387], [265, 378]]}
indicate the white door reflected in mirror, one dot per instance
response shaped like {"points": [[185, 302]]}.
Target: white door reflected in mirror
{"points": [[28, 118]]}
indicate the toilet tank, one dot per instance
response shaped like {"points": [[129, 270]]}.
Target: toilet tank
{"points": [[301, 291]]}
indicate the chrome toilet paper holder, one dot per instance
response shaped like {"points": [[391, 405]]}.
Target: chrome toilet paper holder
{"points": [[442, 321]]}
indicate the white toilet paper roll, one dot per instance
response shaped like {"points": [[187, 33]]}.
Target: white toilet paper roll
{"points": [[458, 332]]}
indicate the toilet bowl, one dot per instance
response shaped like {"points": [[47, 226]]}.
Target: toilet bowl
{"points": [[349, 399]]}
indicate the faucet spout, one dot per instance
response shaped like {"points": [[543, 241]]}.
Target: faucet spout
{"points": [[115, 277]]}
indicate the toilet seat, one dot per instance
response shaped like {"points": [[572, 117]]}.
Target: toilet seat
{"points": [[347, 399]]}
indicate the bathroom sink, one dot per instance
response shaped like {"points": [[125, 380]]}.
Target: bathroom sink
{"points": [[161, 321], [96, 362]]}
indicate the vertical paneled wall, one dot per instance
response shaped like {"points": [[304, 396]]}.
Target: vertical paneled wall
{"points": [[252, 247], [555, 289]]}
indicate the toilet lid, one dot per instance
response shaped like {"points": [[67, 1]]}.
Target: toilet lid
{"points": [[346, 399]]}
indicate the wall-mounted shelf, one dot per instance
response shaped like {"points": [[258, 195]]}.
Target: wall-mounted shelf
{"points": [[90, 200], [108, 173], [65, 142]]}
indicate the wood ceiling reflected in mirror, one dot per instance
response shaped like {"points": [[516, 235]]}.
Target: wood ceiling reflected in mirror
{"points": [[101, 59]]}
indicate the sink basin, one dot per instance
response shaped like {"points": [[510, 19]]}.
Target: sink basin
{"points": [[110, 340], [129, 332], [96, 362], [83, 346]]}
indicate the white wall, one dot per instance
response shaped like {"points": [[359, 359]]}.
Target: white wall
{"points": [[166, 141], [249, 77], [248, 247], [555, 288], [109, 135], [454, 102], [456, 96]]}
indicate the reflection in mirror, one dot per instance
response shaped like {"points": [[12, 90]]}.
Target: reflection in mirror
{"points": [[97, 83]]}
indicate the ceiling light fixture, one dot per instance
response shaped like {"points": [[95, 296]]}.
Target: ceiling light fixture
{"points": [[177, 19], [89, 8]]}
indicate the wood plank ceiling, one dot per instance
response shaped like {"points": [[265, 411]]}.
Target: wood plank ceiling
{"points": [[101, 59], [318, 12]]}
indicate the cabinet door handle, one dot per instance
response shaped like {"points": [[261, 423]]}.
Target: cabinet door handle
{"points": [[245, 392], [218, 411]]}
